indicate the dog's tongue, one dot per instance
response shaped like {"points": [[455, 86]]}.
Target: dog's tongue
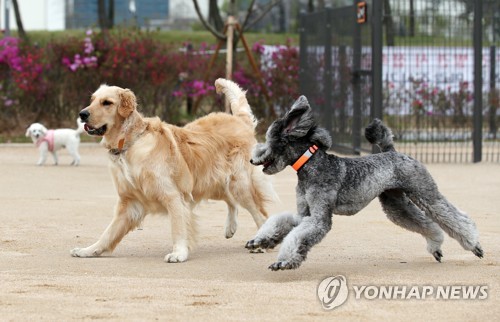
{"points": [[87, 127]]}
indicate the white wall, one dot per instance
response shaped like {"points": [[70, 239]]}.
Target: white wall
{"points": [[36, 14], [50, 14], [184, 9], [56, 15]]}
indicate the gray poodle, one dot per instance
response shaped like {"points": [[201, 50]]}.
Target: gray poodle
{"points": [[343, 186]]}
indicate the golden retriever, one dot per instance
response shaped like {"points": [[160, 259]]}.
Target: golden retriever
{"points": [[159, 168]]}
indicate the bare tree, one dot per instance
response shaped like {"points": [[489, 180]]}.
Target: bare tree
{"points": [[106, 18], [389, 24], [310, 6], [412, 19], [214, 17], [19, 21], [248, 20], [491, 12]]}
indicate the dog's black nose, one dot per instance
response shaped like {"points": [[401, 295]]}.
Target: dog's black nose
{"points": [[84, 115]]}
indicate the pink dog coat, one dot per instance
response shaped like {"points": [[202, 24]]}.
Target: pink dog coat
{"points": [[49, 138]]}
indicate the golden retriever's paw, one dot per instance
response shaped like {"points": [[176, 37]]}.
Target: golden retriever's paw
{"points": [[230, 229], [84, 252], [176, 257]]}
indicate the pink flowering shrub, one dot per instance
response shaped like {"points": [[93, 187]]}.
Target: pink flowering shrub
{"points": [[442, 106], [24, 64], [53, 82], [21, 74], [279, 70], [282, 77], [86, 60]]}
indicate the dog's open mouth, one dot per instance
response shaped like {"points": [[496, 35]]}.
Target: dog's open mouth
{"points": [[266, 164], [93, 131]]}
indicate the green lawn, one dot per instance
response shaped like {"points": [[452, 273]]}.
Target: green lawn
{"points": [[179, 37]]}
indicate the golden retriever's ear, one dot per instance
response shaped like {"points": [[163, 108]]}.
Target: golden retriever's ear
{"points": [[128, 103]]}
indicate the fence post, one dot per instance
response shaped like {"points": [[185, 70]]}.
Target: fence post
{"points": [[302, 50], [377, 52], [356, 84], [326, 113], [493, 108], [377, 69], [477, 135]]}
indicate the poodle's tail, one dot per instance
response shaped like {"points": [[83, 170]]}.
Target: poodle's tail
{"points": [[80, 129], [377, 133], [237, 99]]}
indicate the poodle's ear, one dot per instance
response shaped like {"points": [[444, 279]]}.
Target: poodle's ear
{"points": [[128, 103], [28, 131], [321, 138], [299, 120]]}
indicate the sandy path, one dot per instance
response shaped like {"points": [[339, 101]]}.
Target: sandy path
{"points": [[46, 211]]}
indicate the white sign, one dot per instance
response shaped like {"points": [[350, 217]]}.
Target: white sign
{"points": [[442, 67]]}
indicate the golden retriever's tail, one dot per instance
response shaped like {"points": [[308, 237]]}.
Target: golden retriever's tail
{"points": [[263, 192], [236, 98]]}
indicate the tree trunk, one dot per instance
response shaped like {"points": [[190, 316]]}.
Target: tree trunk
{"points": [[217, 33], [106, 19], [19, 22], [389, 24], [232, 10], [412, 19], [282, 18], [321, 5], [214, 17], [310, 6], [101, 12], [111, 14]]}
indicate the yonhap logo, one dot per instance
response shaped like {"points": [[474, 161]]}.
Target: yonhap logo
{"points": [[332, 292]]}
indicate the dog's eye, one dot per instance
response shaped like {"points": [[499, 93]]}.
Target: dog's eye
{"points": [[106, 103]]}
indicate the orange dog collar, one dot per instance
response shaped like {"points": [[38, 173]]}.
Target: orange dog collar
{"points": [[118, 150], [304, 157], [121, 143]]}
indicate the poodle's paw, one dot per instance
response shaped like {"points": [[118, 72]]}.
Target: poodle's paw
{"points": [[252, 244], [176, 257], [257, 250], [478, 251], [438, 254], [284, 265], [263, 243]]}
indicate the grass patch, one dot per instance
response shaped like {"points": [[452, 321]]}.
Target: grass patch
{"points": [[170, 37]]}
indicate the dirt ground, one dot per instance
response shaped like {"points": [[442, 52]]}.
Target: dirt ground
{"points": [[46, 211]]}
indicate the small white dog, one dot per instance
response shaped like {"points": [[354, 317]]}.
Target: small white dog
{"points": [[54, 140]]}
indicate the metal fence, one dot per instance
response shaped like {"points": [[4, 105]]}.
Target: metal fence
{"points": [[430, 69]]}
